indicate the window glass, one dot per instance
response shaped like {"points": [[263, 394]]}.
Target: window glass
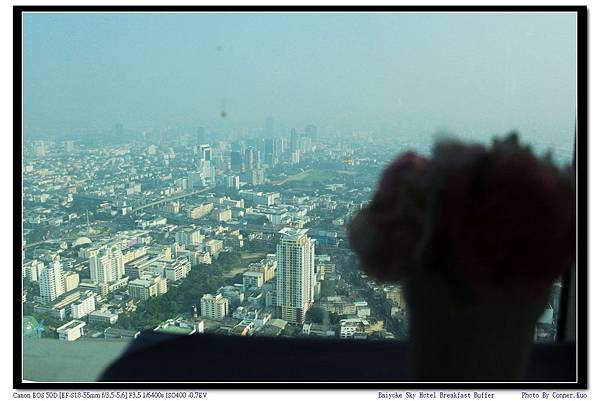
{"points": [[190, 173]]}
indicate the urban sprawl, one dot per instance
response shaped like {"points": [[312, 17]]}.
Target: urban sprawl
{"points": [[182, 231]]}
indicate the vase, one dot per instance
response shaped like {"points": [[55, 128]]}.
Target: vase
{"points": [[456, 340]]}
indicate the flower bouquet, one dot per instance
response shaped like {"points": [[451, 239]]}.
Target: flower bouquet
{"points": [[477, 235]]}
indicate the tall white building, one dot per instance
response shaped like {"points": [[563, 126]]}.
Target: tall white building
{"points": [[208, 172], [232, 181], [295, 274], [51, 281], [31, 270], [107, 266], [214, 307]]}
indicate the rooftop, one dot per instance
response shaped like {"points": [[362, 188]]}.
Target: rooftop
{"points": [[71, 325], [172, 329], [292, 234]]}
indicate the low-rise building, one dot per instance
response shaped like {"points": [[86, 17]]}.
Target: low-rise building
{"points": [[213, 246], [252, 279], [116, 333], [105, 318], [221, 214], [71, 331], [146, 287], [197, 212]]}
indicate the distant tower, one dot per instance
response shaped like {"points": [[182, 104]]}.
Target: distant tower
{"points": [[87, 219], [294, 140], [206, 152], [311, 132], [269, 130], [69, 146], [39, 149], [295, 274]]}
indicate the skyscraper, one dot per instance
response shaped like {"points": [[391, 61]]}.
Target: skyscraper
{"points": [[295, 274], [237, 161], [269, 127], [51, 281], [249, 159], [311, 131], [270, 157], [294, 140], [205, 152]]}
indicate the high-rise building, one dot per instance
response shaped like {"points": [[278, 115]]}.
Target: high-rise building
{"points": [[295, 157], [238, 146], [294, 140], [189, 236], [311, 132], [214, 307], [280, 146], [71, 280], [248, 159], [107, 266], [295, 274], [232, 181], [84, 306], [39, 149], [206, 152], [207, 171], [194, 180], [270, 155], [255, 177], [237, 161], [51, 282], [31, 270], [177, 269]]}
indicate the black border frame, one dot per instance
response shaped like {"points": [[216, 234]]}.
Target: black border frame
{"points": [[582, 181]]}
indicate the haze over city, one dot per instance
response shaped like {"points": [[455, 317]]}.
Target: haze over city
{"points": [[405, 74]]}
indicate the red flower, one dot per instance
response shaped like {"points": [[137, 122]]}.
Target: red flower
{"points": [[496, 222], [385, 234], [509, 221]]}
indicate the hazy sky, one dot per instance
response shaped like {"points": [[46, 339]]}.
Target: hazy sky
{"points": [[472, 74]]}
